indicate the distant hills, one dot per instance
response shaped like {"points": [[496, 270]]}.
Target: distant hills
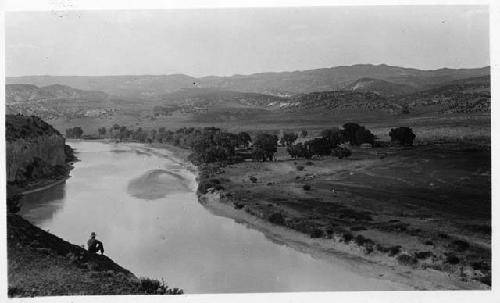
{"points": [[29, 92], [470, 95], [355, 89], [55, 101], [396, 80]]}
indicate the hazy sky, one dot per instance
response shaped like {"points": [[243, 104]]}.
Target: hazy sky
{"points": [[243, 41]]}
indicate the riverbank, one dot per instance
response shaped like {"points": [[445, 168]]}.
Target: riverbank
{"points": [[366, 211], [42, 264]]}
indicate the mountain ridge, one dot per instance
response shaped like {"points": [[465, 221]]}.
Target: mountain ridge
{"points": [[272, 83]]}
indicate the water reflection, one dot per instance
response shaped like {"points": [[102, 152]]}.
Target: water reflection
{"points": [[40, 207]]}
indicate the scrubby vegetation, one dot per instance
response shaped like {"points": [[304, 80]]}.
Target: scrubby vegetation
{"points": [[25, 127], [402, 135]]}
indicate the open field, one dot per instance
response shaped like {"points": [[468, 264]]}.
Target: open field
{"points": [[427, 207]]}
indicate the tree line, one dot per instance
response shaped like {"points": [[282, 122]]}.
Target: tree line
{"points": [[211, 144]]}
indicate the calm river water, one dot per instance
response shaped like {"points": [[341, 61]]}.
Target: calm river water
{"points": [[142, 205]]}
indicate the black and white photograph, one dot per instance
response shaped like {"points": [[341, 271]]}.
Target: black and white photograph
{"points": [[248, 150]]}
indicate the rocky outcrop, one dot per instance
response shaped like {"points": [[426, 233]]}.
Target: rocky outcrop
{"points": [[34, 150]]}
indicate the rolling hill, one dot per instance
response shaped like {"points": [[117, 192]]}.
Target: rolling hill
{"points": [[15, 93], [380, 87], [55, 101], [470, 95], [273, 83]]}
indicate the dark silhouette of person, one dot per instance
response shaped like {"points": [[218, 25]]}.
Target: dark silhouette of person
{"points": [[94, 245]]}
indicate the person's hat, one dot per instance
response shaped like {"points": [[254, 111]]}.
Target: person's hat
{"points": [[92, 234]]}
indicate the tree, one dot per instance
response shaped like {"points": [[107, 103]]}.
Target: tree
{"points": [[333, 136], [349, 132], [363, 135], [244, 139], [303, 133], [357, 134], [288, 139], [319, 147], [266, 145], [101, 131], [75, 132], [298, 151], [341, 152], [402, 135]]}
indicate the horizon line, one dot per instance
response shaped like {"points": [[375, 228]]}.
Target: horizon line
{"points": [[250, 74]]}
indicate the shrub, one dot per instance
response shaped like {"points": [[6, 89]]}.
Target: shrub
{"points": [[452, 259], [306, 187], [214, 181], [341, 152], [300, 167], [204, 185], [253, 179], [155, 287], [406, 260], [460, 245], [360, 240], [358, 228], [316, 233], [423, 254], [369, 249], [238, 205], [277, 218], [14, 203], [486, 280], [218, 187], [347, 237], [394, 250], [481, 266], [402, 135], [429, 242]]}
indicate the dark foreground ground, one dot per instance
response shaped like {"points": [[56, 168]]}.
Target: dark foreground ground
{"points": [[427, 207], [42, 264]]}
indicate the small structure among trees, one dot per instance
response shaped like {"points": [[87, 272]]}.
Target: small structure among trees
{"points": [[403, 136]]}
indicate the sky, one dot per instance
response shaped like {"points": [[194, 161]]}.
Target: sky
{"points": [[225, 42]]}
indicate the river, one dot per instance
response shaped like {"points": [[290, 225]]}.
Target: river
{"points": [[142, 204]]}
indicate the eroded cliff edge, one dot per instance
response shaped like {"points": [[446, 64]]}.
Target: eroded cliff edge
{"points": [[36, 153]]}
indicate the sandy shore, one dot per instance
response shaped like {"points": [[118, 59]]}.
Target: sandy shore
{"points": [[349, 255]]}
